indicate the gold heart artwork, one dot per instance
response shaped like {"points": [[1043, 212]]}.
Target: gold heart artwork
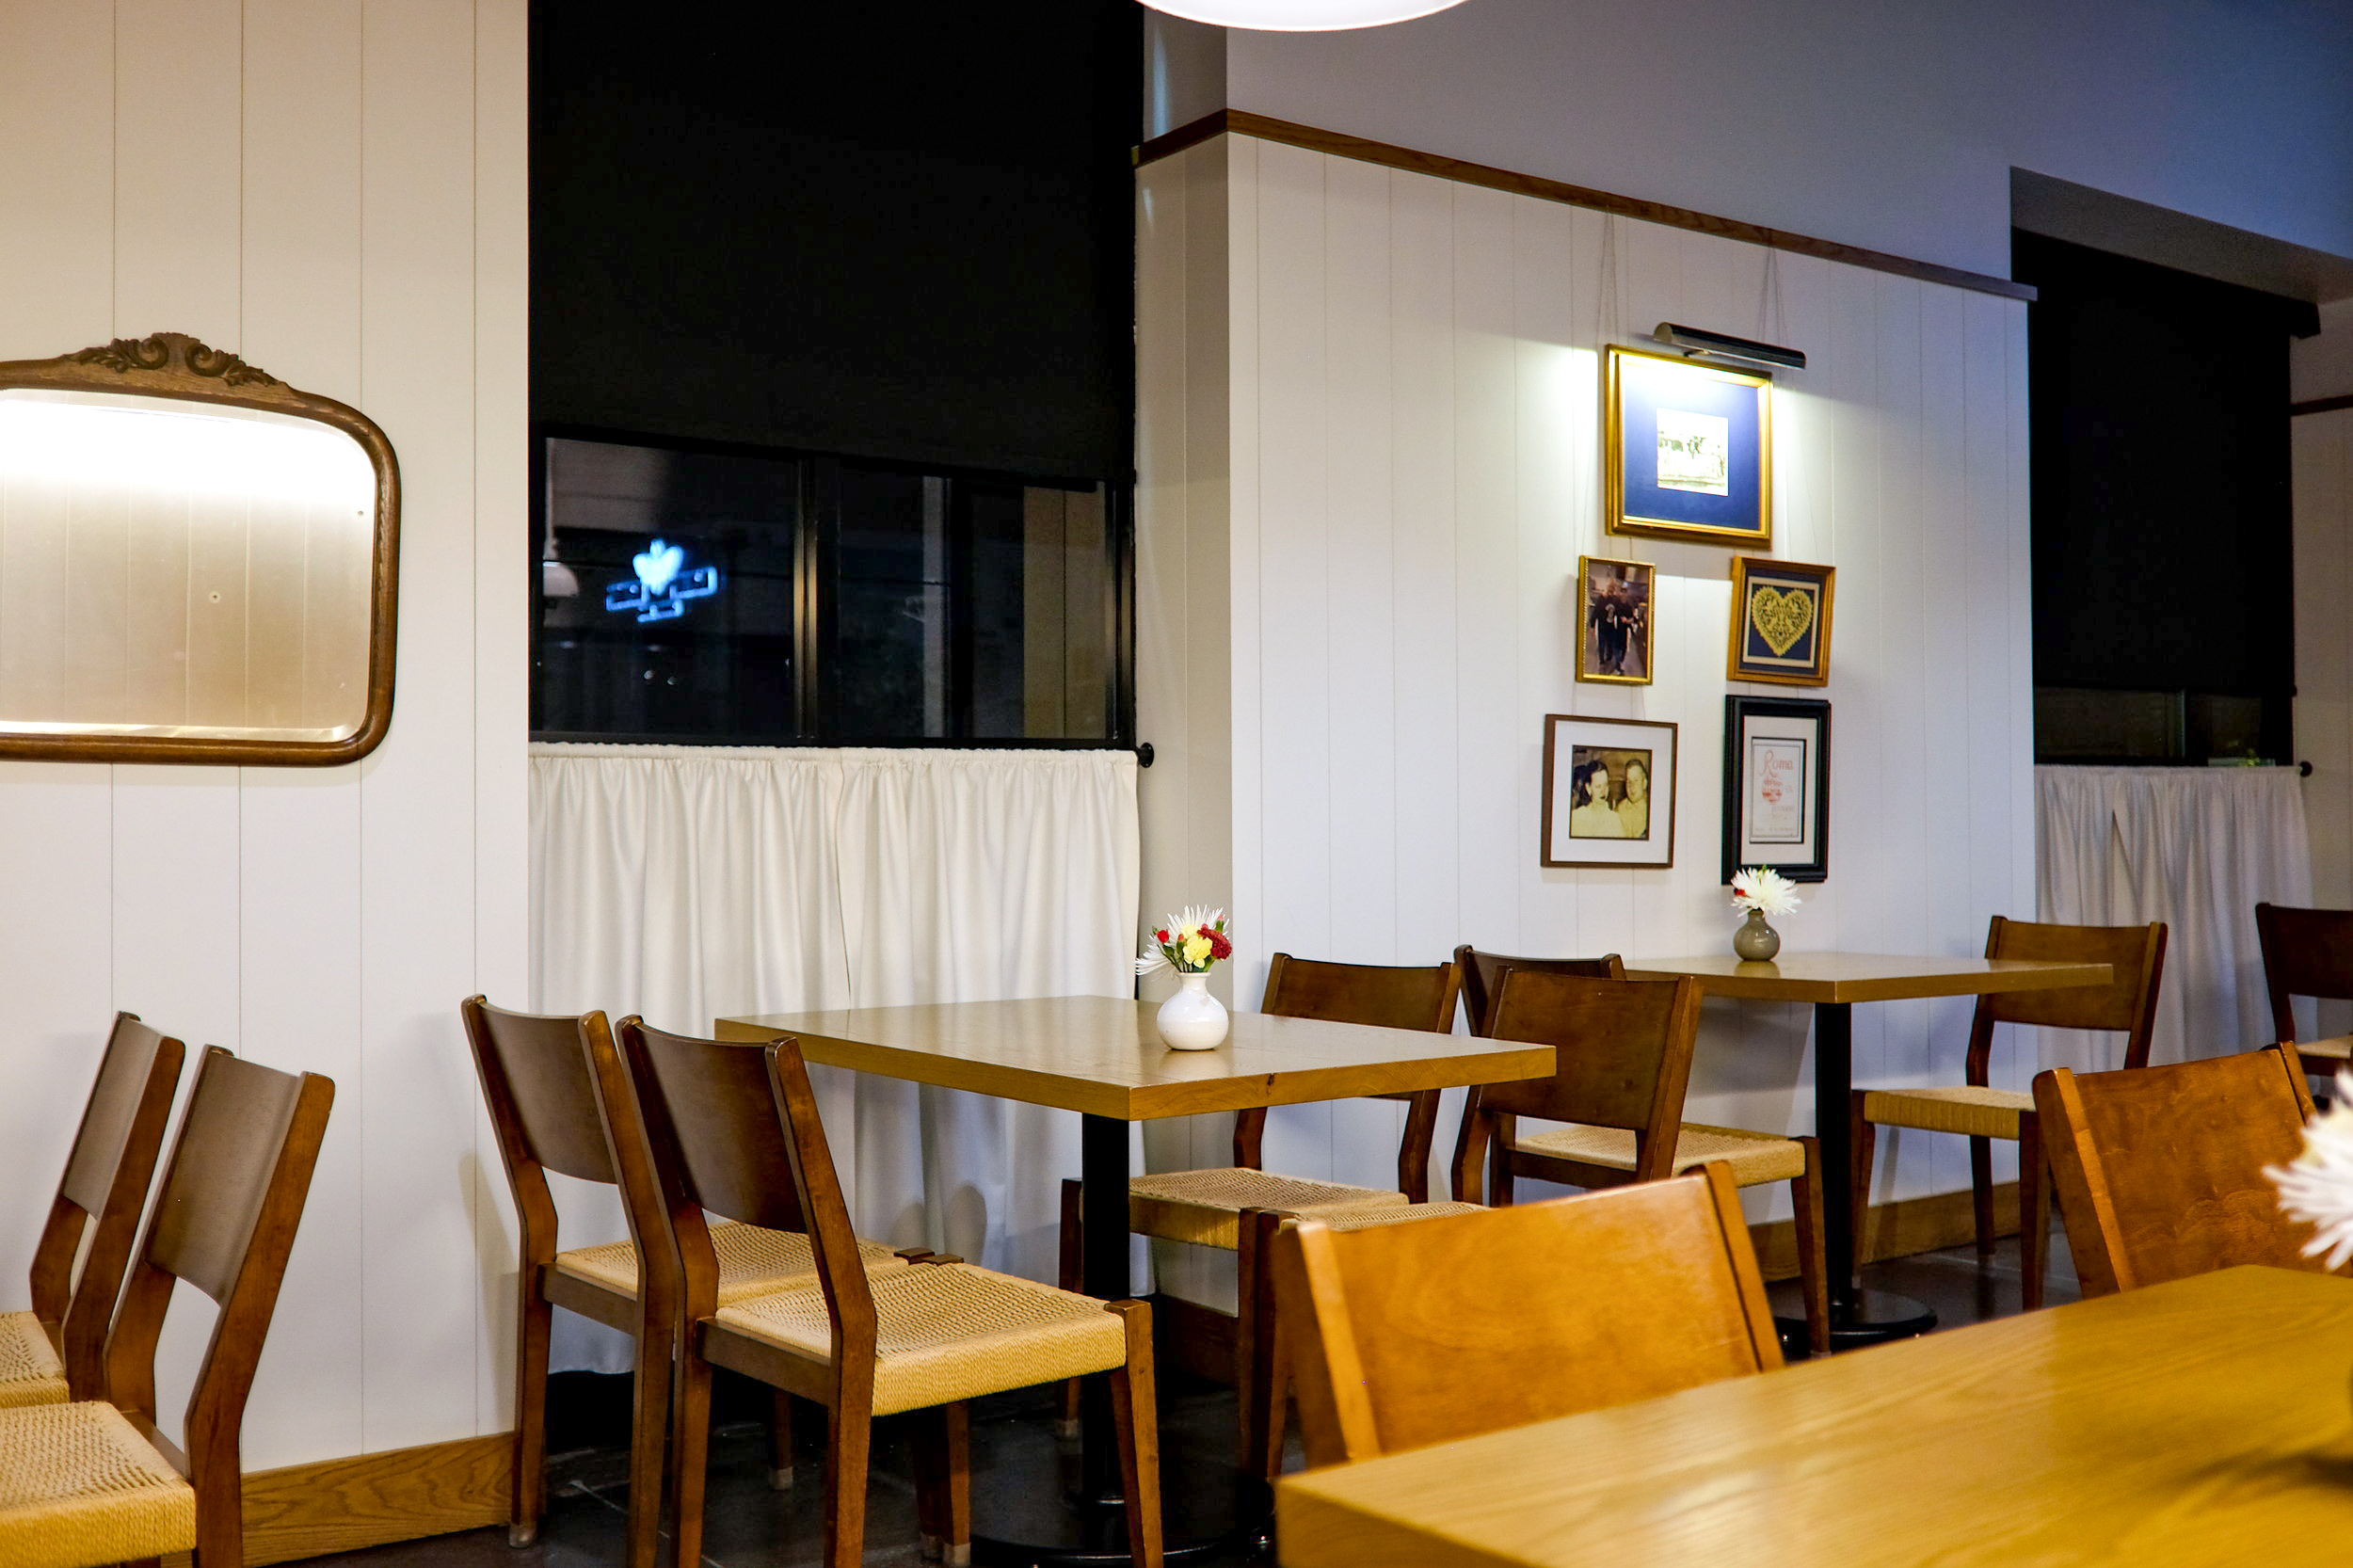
{"points": [[1780, 618]]}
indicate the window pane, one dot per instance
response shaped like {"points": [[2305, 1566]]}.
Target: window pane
{"points": [[667, 607]]}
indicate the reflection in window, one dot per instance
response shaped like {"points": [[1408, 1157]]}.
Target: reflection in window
{"points": [[718, 599]]}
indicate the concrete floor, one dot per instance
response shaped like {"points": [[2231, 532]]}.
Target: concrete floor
{"points": [[1016, 1459]]}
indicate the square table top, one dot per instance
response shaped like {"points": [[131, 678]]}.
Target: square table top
{"points": [[1841, 977], [2203, 1421], [1103, 1056]]}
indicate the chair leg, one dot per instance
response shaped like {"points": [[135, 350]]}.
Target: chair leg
{"points": [[1813, 1259], [930, 1483], [1073, 1278], [1136, 1412], [530, 1502], [1501, 1131], [780, 1440], [1258, 1376], [849, 1437], [2034, 1211], [1981, 1192], [1862, 1141], [690, 1458], [954, 1505], [649, 1429]]}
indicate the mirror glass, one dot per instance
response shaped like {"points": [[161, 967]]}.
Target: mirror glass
{"points": [[198, 562], [181, 569]]}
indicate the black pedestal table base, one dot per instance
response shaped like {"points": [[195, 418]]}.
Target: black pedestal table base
{"points": [[1857, 1317]]}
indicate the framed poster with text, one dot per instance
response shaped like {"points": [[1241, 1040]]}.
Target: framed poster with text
{"points": [[1777, 787], [1688, 450]]}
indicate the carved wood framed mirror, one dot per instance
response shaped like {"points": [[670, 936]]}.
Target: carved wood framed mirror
{"points": [[198, 562]]}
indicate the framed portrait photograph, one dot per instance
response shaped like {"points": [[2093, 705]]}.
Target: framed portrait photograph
{"points": [[1613, 642], [1777, 786], [1780, 622], [1688, 449], [1610, 791]]}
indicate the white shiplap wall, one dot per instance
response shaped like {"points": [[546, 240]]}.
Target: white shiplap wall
{"points": [[1369, 459], [334, 190], [2323, 449]]}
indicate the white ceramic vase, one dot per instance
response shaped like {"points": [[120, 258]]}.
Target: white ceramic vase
{"points": [[1193, 1019]]}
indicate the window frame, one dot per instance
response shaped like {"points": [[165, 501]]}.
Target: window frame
{"points": [[816, 548]]}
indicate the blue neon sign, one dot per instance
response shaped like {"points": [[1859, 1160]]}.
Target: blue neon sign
{"points": [[663, 584]]}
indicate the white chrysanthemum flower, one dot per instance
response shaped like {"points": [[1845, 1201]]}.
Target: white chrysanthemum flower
{"points": [[1188, 945], [1760, 887], [2317, 1186]]}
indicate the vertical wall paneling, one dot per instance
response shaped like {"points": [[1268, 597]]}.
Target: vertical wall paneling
{"points": [[2323, 456], [335, 192], [1409, 460], [56, 836]]}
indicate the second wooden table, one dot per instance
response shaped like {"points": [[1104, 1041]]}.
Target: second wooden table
{"points": [[1833, 983]]}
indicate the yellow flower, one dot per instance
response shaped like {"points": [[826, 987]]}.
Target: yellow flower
{"points": [[1196, 948]]}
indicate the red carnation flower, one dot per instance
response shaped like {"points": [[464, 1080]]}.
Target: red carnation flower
{"points": [[1161, 935], [1220, 946]]}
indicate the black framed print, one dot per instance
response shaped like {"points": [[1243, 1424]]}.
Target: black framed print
{"points": [[1610, 791], [1777, 786]]}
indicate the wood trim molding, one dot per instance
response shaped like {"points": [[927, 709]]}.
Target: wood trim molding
{"points": [[343, 1505], [1242, 123], [2321, 405], [1898, 1229]]}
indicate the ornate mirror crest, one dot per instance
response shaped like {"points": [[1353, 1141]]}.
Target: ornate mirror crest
{"points": [[199, 563]]}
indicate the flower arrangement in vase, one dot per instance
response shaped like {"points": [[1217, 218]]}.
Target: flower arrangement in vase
{"points": [[1761, 891], [2317, 1187], [1191, 944]]}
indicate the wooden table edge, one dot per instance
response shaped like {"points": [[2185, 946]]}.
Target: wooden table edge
{"points": [[1505, 1061], [2055, 975]]}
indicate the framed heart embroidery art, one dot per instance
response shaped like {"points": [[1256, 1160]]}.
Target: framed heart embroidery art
{"points": [[1780, 622]]}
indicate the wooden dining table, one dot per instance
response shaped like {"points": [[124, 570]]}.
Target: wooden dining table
{"points": [[1833, 983], [2206, 1421], [1103, 1058]]}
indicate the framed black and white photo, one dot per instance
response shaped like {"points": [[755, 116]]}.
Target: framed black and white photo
{"points": [[1686, 448], [1777, 786], [1610, 791]]}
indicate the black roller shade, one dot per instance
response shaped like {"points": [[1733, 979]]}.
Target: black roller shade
{"points": [[897, 231]]}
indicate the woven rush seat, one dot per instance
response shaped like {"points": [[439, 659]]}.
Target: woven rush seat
{"points": [[1204, 1208], [1978, 1111], [30, 1372], [79, 1485], [753, 1261], [1755, 1157], [949, 1332], [2337, 1048], [1386, 1214]]}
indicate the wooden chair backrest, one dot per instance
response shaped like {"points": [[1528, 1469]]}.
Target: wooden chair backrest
{"points": [[1380, 995], [225, 1218], [1415, 1334], [2128, 1003], [1623, 1057], [102, 1193], [724, 1138], [2307, 952], [2160, 1170], [541, 1097], [1483, 976]]}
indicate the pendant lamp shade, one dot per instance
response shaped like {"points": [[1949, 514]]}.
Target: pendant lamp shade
{"points": [[1300, 16]]}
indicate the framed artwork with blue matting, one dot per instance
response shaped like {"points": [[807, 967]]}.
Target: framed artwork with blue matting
{"points": [[1688, 449]]}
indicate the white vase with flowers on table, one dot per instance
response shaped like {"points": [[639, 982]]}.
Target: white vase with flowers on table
{"points": [[1191, 944]]}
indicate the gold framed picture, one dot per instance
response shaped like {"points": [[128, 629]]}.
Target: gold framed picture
{"points": [[1687, 449], [1614, 641], [1780, 622]]}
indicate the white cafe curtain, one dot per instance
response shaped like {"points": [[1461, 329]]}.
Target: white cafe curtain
{"points": [[691, 882], [2197, 848]]}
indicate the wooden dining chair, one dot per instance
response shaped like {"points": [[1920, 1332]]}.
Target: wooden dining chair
{"points": [[1410, 1335], [94, 1481], [2161, 1171], [57, 1352], [1624, 1061], [1204, 1208], [2307, 952], [1483, 976], [544, 1111], [732, 1129], [2126, 1005]]}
